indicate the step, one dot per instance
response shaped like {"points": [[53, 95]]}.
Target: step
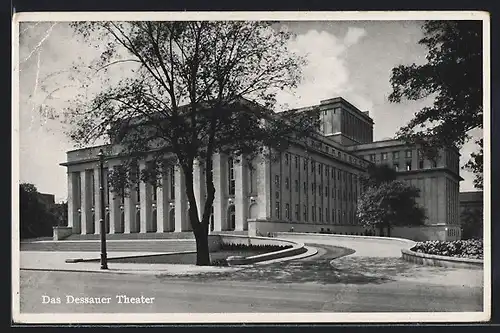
{"points": [[112, 246]]}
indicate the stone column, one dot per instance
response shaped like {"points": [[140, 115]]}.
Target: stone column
{"points": [[97, 201], [129, 210], [73, 202], [145, 204], [180, 201], [199, 187], [86, 202], [219, 171], [114, 210], [263, 166], [162, 206], [240, 195]]}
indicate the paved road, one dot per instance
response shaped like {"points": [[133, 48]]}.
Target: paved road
{"points": [[185, 295]]}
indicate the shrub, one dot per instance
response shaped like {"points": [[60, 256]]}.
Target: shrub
{"points": [[471, 248]]}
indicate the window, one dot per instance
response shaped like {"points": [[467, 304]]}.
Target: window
{"points": [[305, 165], [172, 183], [277, 194], [277, 209], [327, 170], [333, 193], [305, 212], [408, 154], [297, 213], [232, 180], [287, 211], [395, 155], [305, 187], [313, 166], [320, 188], [313, 210], [154, 194], [326, 191], [339, 174], [327, 215], [277, 180], [333, 173], [421, 164], [396, 166], [320, 169], [339, 154], [252, 176], [384, 156], [296, 185], [320, 214], [372, 157], [408, 166], [287, 158], [287, 183], [296, 162], [313, 188]]}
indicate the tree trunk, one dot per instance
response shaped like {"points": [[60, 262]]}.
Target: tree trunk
{"points": [[202, 251]]}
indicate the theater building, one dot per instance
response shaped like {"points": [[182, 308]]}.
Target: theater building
{"points": [[311, 187]]}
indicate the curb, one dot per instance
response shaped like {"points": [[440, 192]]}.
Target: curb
{"points": [[442, 261]]}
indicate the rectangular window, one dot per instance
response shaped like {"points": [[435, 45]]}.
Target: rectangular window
{"points": [[327, 191], [287, 158], [313, 166], [313, 188], [297, 213], [320, 169], [277, 209], [384, 156], [333, 193], [333, 215], [277, 180], [305, 187], [305, 165], [287, 183], [320, 188], [395, 155], [277, 194], [313, 211], [327, 215], [408, 154], [396, 166], [172, 183], [327, 171], [333, 173], [296, 185], [339, 174], [154, 194], [232, 180], [296, 162], [408, 166], [320, 214], [287, 211], [305, 213]]}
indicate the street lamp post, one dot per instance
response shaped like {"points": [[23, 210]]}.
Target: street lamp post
{"points": [[104, 259]]}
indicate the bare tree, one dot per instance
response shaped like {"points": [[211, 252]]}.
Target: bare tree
{"points": [[196, 89]]}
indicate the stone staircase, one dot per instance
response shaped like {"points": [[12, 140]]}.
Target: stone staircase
{"points": [[165, 245]]}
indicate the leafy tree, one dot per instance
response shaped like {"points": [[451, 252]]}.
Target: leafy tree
{"points": [[472, 223], [36, 220], [195, 89], [453, 76], [475, 165], [390, 204]]}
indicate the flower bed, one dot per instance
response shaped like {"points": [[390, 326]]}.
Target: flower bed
{"points": [[471, 248]]}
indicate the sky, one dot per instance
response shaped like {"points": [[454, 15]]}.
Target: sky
{"points": [[351, 59]]}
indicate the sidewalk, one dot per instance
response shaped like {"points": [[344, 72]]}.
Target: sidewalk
{"points": [[56, 261]]}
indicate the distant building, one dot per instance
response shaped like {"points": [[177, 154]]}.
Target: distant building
{"points": [[309, 188], [471, 200]]}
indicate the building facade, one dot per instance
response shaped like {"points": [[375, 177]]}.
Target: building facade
{"points": [[311, 187]]}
